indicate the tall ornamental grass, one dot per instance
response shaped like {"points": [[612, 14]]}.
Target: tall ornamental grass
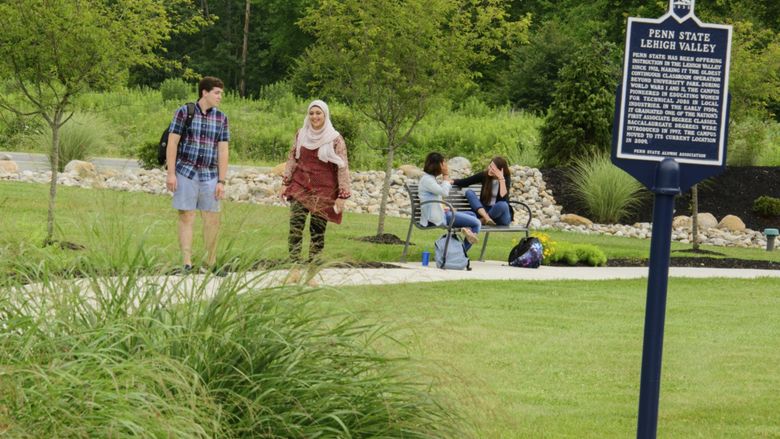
{"points": [[84, 135], [604, 190], [196, 357]]}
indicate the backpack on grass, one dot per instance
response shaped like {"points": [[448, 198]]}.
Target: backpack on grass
{"points": [[529, 253], [455, 257], [162, 148]]}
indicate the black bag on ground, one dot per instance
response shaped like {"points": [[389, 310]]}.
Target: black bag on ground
{"points": [[529, 253], [455, 258], [162, 148]]}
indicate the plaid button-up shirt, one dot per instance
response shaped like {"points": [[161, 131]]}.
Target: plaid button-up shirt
{"points": [[197, 154]]}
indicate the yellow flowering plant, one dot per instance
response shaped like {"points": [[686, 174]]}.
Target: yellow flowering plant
{"points": [[547, 243]]}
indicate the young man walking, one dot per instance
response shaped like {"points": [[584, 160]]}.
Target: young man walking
{"points": [[197, 167]]}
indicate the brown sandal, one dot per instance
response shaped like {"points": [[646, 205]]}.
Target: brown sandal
{"points": [[470, 236]]}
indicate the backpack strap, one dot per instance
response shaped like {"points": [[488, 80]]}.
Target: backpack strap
{"points": [[190, 115], [187, 123]]}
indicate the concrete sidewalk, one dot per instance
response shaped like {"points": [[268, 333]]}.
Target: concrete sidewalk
{"points": [[496, 270]]}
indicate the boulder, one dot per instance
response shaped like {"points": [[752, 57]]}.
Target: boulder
{"points": [[732, 222], [411, 171], [575, 220], [8, 167], [459, 165], [681, 221], [278, 170], [81, 169], [707, 221], [5, 157]]}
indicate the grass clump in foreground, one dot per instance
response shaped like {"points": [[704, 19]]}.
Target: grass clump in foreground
{"points": [[164, 357]]}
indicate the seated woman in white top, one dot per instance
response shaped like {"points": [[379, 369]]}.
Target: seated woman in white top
{"points": [[434, 213]]}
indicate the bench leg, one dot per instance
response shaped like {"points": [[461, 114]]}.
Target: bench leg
{"points": [[406, 244], [484, 246]]}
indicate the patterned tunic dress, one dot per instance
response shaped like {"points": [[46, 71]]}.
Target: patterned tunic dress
{"points": [[317, 184]]}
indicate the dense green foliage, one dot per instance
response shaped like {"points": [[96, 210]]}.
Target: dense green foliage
{"points": [[579, 122], [767, 206]]}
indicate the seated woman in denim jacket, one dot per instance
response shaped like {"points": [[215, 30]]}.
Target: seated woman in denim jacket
{"points": [[434, 213], [492, 205]]}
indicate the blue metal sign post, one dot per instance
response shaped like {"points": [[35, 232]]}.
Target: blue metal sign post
{"points": [[670, 132]]}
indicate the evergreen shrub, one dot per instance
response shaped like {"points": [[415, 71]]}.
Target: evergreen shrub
{"points": [[767, 206]]}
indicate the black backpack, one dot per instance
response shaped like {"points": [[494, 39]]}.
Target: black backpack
{"points": [[529, 253], [162, 148]]}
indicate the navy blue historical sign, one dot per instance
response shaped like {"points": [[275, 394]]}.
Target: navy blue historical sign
{"points": [[673, 101]]}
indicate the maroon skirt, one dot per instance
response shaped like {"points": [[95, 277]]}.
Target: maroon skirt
{"points": [[314, 184]]}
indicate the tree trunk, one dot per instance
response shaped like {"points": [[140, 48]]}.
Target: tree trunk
{"points": [[55, 162], [695, 216], [386, 188], [244, 50]]}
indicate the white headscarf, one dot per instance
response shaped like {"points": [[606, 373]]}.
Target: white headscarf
{"points": [[321, 140]]}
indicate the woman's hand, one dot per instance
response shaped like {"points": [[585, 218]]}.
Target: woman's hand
{"points": [[281, 193], [338, 207], [445, 171], [493, 171]]}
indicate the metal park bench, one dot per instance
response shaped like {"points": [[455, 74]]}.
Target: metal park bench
{"points": [[456, 200]]}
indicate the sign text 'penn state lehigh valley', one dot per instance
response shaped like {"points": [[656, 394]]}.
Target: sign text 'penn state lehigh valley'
{"points": [[675, 86]]}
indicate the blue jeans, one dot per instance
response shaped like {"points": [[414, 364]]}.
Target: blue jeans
{"points": [[464, 219], [498, 212]]}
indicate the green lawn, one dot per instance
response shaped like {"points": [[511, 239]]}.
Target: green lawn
{"points": [[101, 220], [563, 359]]}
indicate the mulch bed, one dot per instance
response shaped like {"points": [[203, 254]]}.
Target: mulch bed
{"points": [[730, 193], [699, 262]]}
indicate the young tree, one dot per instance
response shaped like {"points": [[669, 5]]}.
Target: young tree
{"points": [[54, 50], [388, 58]]}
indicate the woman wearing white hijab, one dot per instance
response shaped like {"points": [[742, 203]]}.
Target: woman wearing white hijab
{"points": [[315, 180]]}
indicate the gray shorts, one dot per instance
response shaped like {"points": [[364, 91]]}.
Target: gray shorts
{"points": [[192, 194]]}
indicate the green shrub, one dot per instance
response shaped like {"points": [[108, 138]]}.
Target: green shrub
{"points": [[176, 89], [605, 191], [749, 140], [767, 206], [132, 357], [347, 124], [276, 92], [84, 135], [147, 155], [577, 254]]}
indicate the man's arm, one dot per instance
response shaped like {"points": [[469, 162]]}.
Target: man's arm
{"points": [[170, 159], [222, 168]]}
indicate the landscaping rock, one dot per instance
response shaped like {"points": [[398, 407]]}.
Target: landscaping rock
{"points": [[5, 157], [81, 169], [575, 220], [707, 221], [731, 222], [411, 171], [681, 221], [8, 167]]}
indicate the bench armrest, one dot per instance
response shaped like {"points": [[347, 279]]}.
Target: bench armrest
{"points": [[528, 209]]}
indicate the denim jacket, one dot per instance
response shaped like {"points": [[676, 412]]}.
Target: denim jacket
{"points": [[430, 189]]}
